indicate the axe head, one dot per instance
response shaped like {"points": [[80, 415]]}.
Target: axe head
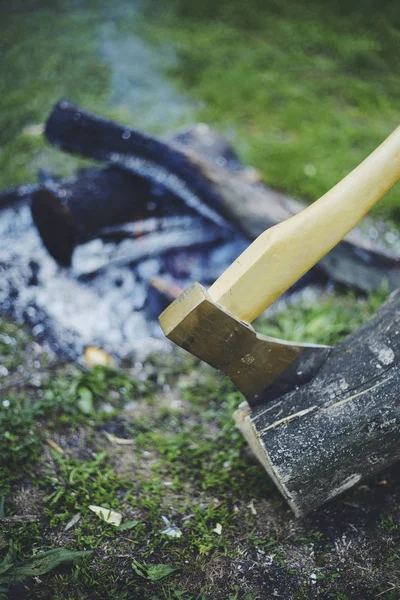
{"points": [[262, 367]]}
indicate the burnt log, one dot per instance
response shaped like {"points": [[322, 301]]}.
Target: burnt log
{"points": [[72, 212], [217, 193], [343, 426], [97, 202], [79, 132]]}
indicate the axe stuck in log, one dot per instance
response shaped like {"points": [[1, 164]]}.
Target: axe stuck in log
{"points": [[319, 419]]}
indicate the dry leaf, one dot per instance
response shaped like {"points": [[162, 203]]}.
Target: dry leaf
{"points": [[55, 446], [95, 356], [252, 507], [107, 515], [116, 440], [171, 530], [73, 521], [218, 529]]}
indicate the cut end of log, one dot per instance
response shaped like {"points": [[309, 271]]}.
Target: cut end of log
{"points": [[55, 224]]}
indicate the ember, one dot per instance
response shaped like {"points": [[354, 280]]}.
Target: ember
{"points": [[132, 234]]}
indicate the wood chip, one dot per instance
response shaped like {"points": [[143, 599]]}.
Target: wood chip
{"points": [[218, 529], [34, 130], [20, 519], [252, 507]]}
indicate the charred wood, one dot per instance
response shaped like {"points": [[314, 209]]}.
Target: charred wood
{"points": [[71, 212], [108, 202], [153, 238], [220, 194], [80, 132]]}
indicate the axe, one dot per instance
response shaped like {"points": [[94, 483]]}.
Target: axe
{"points": [[215, 324]]}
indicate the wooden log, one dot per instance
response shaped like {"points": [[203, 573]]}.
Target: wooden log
{"points": [[220, 194], [92, 204], [77, 131], [342, 427], [71, 212]]}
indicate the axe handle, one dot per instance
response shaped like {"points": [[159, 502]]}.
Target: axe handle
{"points": [[283, 253]]}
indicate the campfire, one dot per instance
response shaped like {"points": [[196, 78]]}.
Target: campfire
{"points": [[95, 258]]}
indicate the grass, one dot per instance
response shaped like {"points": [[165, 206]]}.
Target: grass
{"points": [[307, 89], [41, 45], [58, 49], [304, 89], [325, 320], [185, 461]]}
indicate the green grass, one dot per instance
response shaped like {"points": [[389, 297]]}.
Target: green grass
{"points": [[187, 462], [51, 50], [42, 46], [304, 89], [325, 320], [68, 398], [308, 88]]}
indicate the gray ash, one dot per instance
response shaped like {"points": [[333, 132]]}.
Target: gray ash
{"points": [[105, 298]]}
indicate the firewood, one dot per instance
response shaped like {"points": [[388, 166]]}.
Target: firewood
{"points": [[342, 427], [96, 202], [71, 212], [226, 197]]}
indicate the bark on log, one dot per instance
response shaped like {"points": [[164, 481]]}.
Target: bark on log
{"points": [[343, 426], [215, 192]]}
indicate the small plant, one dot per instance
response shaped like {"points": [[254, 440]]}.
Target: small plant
{"points": [[152, 572], [389, 524]]}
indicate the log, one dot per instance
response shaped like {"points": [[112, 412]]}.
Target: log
{"points": [[343, 426], [79, 132], [151, 238], [74, 211], [218, 193], [95, 202], [213, 146]]}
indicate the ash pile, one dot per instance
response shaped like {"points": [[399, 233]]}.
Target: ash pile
{"points": [[95, 258]]}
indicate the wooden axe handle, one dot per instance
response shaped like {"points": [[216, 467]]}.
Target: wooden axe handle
{"points": [[283, 253]]}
